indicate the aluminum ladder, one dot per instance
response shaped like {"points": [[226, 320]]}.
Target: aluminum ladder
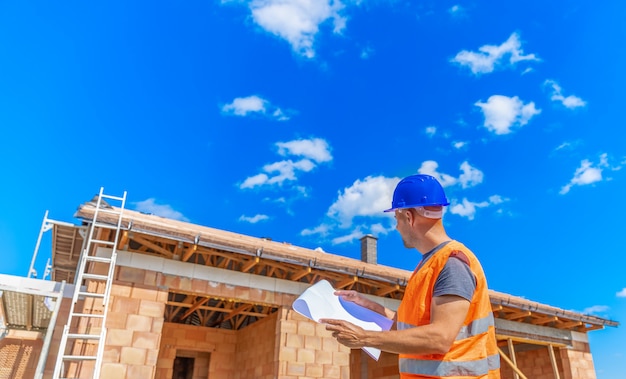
{"points": [[86, 328]]}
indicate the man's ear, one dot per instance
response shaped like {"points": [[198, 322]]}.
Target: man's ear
{"points": [[410, 216]]}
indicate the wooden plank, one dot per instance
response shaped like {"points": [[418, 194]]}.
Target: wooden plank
{"points": [[501, 337], [300, 274], [253, 262], [347, 282], [555, 368], [517, 315], [194, 307], [544, 320], [513, 366], [513, 358], [387, 290], [569, 325], [151, 245], [188, 253]]}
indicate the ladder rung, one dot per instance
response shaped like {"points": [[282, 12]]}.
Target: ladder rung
{"points": [[112, 197], [79, 357], [98, 259], [83, 336], [91, 294], [103, 242], [90, 315], [95, 277], [105, 225]]}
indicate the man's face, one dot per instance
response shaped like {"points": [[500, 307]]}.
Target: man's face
{"points": [[403, 227]]}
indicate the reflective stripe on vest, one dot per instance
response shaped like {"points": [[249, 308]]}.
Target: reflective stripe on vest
{"points": [[445, 368], [475, 328]]}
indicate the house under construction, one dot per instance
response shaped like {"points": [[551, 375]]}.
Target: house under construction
{"points": [[134, 295]]}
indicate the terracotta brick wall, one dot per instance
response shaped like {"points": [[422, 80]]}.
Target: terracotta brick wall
{"points": [[307, 350], [221, 344], [64, 311], [578, 362], [19, 357], [256, 351], [363, 366], [534, 363]]}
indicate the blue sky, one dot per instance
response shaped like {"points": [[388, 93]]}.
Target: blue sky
{"points": [[295, 119]]}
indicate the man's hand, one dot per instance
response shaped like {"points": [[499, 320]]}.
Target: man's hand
{"points": [[355, 297], [358, 298], [346, 333]]}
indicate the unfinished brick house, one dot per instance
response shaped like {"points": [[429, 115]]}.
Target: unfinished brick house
{"points": [[184, 301]]}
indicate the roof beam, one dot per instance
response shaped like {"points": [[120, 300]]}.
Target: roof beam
{"points": [[194, 307], [387, 290], [347, 282], [300, 274], [251, 263], [517, 315], [188, 253], [151, 245], [544, 320], [569, 325]]}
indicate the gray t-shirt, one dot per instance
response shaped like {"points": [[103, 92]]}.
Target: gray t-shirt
{"points": [[455, 278]]}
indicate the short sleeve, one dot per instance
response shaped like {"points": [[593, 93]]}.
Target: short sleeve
{"points": [[456, 278]]}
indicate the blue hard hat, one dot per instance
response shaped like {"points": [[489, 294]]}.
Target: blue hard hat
{"points": [[418, 191]]}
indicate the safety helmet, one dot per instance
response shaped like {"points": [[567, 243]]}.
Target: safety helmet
{"points": [[418, 191]]}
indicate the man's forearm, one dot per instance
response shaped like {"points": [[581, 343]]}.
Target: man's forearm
{"points": [[422, 340]]}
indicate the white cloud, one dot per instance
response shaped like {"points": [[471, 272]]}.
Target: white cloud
{"points": [[570, 101], [496, 199], [241, 106], [564, 146], [466, 208], [621, 293], [469, 177], [457, 11], [586, 174], [355, 235], [254, 219], [150, 206], [316, 149], [280, 172], [244, 106], [430, 168], [297, 21], [431, 130], [489, 57], [460, 144], [368, 197], [502, 113], [322, 230], [595, 309], [254, 181]]}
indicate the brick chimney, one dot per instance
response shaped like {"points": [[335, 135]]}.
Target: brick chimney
{"points": [[368, 249]]}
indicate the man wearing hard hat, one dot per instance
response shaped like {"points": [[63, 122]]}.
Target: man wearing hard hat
{"points": [[444, 325]]}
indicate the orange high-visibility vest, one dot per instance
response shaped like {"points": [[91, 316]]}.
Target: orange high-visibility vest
{"points": [[474, 353]]}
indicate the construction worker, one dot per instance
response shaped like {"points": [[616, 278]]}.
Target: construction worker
{"points": [[444, 326]]}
